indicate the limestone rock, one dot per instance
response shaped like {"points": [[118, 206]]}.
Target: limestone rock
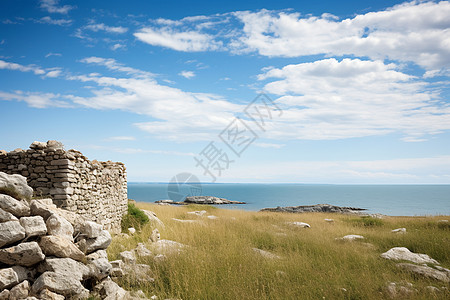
{"points": [[404, 290], [48, 295], [167, 247], [97, 254], [109, 290], [6, 216], [153, 218], [399, 230], [91, 229], [54, 145], [64, 285], [300, 224], [329, 220], [34, 226], [24, 254], [100, 268], [402, 253], [425, 271], [155, 236], [59, 226], [212, 217], [352, 237], [60, 247], [266, 254], [18, 208], [17, 184], [100, 242], [64, 266], [128, 257], [20, 291], [10, 277], [42, 207], [11, 232], [4, 295], [185, 221], [142, 251], [132, 230], [38, 145], [197, 213]]}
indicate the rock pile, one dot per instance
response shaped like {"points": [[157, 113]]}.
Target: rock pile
{"points": [[47, 252]]}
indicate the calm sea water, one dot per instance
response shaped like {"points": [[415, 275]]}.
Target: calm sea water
{"points": [[396, 200]]}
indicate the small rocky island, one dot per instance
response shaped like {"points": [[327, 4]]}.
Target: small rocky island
{"points": [[210, 200], [327, 208]]}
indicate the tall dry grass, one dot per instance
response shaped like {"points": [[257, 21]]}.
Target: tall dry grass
{"points": [[219, 262]]}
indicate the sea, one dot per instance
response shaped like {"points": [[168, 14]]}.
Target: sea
{"points": [[393, 200]]}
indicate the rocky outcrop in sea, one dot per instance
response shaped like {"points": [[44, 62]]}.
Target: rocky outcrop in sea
{"points": [[201, 200], [326, 208]]}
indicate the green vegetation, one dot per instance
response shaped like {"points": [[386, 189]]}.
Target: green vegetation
{"points": [[134, 218], [220, 263]]}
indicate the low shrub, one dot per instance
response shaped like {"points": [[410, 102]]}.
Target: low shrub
{"points": [[134, 218]]}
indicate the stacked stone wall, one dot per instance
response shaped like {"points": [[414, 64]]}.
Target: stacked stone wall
{"points": [[93, 189]]}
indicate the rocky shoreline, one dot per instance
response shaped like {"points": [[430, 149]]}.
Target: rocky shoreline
{"points": [[205, 200]]}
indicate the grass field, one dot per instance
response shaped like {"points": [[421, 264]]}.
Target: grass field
{"points": [[219, 262]]}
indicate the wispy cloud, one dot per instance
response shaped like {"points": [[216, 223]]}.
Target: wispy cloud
{"points": [[102, 27], [187, 74], [121, 138], [52, 54], [49, 20], [52, 6], [18, 67]]}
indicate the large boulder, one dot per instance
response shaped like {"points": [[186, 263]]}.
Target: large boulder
{"points": [[402, 253], [18, 208], [15, 185], [109, 290], [59, 226], [64, 285], [24, 254], [46, 294], [100, 268], [10, 277], [64, 266], [91, 229], [42, 207], [11, 232], [425, 271], [60, 247], [34, 226]]}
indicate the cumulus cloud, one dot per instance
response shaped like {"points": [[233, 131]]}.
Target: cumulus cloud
{"points": [[187, 74], [52, 6], [331, 99], [415, 31]]}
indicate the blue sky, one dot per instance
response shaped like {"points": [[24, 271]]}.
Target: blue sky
{"points": [[357, 91]]}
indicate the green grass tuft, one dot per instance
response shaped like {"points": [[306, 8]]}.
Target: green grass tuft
{"points": [[366, 221], [134, 218]]}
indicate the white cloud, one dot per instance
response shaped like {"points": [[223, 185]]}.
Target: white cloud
{"points": [[187, 41], [52, 54], [415, 31], [121, 138], [112, 64], [49, 20], [117, 46], [13, 66], [54, 73], [106, 28], [331, 99], [187, 74], [52, 7], [391, 171], [269, 145], [36, 100]]}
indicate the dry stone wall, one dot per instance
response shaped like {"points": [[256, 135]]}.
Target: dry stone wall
{"points": [[96, 190]]}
